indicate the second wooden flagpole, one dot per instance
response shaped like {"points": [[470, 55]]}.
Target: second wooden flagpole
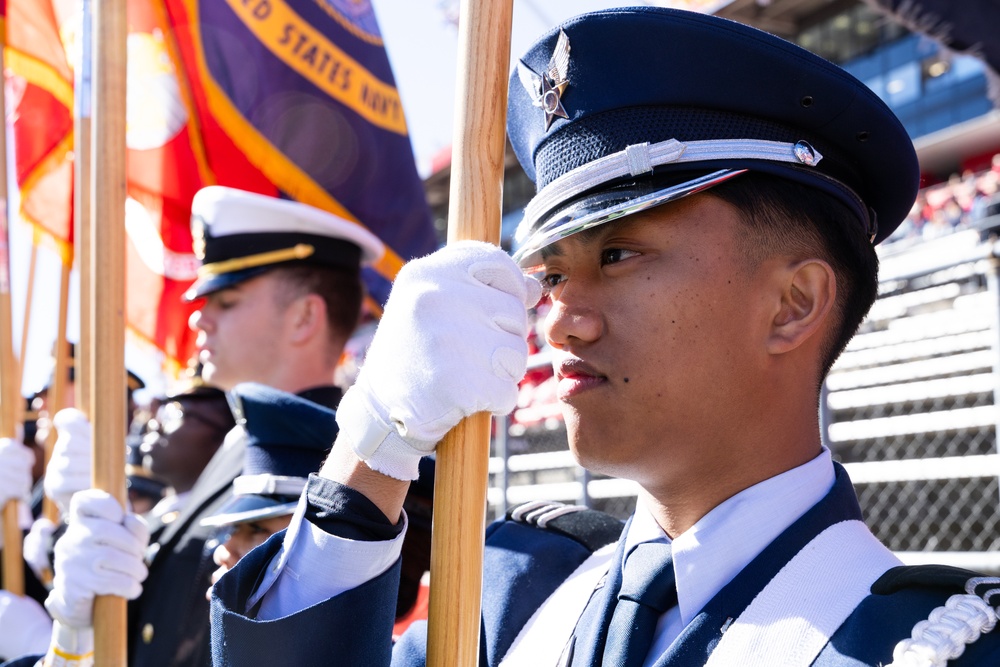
{"points": [[108, 409], [56, 396], [474, 213], [10, 375], [81, 206]]}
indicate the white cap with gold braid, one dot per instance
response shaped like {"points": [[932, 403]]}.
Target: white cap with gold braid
{"points": [[239, 235]]}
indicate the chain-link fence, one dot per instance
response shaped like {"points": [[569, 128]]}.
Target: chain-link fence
{"points": [[911, 409]]}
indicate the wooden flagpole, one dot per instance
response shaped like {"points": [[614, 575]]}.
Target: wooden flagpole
{"points": [[29, 297], [108, 409], [10, 388], [56, 398], [474, 212], [81, 207]]}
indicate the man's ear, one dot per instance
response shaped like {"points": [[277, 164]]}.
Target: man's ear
{"points": [[308, 314], [807, 298]]}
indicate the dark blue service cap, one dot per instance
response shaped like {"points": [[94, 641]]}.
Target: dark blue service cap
{"points": [[619, 110], [288, 437]]}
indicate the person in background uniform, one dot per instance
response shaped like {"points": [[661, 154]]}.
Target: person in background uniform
{"points": [[24, 625], [188, 428], [708, 200], [280, 293], [287, 438], [43, 413]]}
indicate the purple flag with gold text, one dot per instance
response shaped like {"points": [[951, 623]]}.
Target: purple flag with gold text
{"points": [[297, 98]]}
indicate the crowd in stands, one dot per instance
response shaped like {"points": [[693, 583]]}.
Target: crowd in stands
{"points": [[957, 204]]}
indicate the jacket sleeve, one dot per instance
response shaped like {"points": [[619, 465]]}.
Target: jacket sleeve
{"points": [[353, 628]]}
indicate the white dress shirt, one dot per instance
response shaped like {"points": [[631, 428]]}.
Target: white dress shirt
{"points": [[709, 554]]}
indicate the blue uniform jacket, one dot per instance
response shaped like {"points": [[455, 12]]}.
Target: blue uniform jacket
{"points": [[524, 564]]}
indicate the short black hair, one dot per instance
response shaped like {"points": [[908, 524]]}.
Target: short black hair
{"points": [[341, 290], [784, 216]]}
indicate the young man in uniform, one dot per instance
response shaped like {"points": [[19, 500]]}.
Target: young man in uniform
{"points": [[708, 200]]}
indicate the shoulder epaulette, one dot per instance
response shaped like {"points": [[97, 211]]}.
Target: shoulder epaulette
{"points": [[965, 616], [591, 528], [922, 576]]}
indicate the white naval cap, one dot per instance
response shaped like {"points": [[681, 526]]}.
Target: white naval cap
{"points": [[239, 235]]}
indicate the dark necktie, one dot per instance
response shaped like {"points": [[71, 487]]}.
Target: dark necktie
{"points": [[648, 589]]}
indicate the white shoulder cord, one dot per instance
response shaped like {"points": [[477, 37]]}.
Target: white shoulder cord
{"points": [[945, 634]]}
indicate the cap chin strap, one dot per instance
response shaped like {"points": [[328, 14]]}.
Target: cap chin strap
{"points": [[642, 158]]}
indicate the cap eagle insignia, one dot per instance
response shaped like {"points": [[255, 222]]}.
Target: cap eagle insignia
{"points": [[546, 89]]}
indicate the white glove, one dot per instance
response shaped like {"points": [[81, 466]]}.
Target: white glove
{"points": [[16, 461], [451, 343], [38, 547], [68, 470], [25, 628], [101, 553]]}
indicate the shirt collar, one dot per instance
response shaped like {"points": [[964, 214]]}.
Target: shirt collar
{"points": [[709, 554]]}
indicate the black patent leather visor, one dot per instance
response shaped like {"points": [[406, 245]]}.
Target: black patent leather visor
{"points": [[601, 207]]}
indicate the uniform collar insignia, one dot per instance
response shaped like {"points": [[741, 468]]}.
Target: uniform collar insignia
{"points": [[546, 89]]}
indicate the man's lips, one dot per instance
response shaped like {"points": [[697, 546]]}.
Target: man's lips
{"points": [[576, 376]]}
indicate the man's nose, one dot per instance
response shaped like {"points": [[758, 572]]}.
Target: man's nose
{"points": [[572, 319], [223, 556], [199, 321]]}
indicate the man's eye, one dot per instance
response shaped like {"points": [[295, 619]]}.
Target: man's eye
{"points": [[614, 255], [550, 280]]}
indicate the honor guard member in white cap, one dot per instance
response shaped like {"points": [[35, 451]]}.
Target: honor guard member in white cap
{"points": [[708, 200], [279, 294]]}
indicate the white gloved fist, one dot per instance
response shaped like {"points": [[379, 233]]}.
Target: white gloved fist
{"points": [[451, 343], [16, 461], [101, 553], [69, 467], [25, 628]]}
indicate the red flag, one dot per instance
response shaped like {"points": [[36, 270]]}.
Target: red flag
{"points": [[40, 94], [162, 169], [165, 167]]}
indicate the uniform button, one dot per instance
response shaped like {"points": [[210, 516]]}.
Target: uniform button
{"points": [[147, 633]]}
